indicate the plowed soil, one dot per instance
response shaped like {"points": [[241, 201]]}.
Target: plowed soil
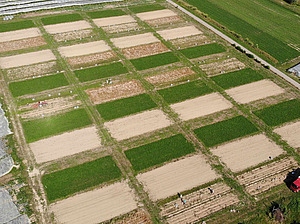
{"points": [[156, 14], [22, 44], [115, 20], [73, 35], [144, 50], [134, 40], [179, 32], [122, 27], [67, 27], [290, 133], [223, 66], [164, 21], [138, 217], [19, 34], [190, 41]]}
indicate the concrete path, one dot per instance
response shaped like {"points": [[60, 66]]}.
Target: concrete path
{"points": [[231, 41]]}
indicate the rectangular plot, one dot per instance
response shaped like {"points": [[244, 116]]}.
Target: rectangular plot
{"points": [[19, 34], [203, 50], [116, 20], [223, 66], [179, 32], [134, 40], [11, 26], [156, 14], [144, 50], [67, 27], [106, 13], [146, 8], [290, 133], [64, 18], [22, 44]]}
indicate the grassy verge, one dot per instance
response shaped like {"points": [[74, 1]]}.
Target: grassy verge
{"points": [[224, 131], [74, 179], [106, 13], [199, 51], [45, 127], [146, 8], [158, 152], [61, 19], [5, 27]]}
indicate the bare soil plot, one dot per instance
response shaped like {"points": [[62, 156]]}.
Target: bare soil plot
{"points": [[156, 14], [134, 40], [65, 144], [115, 91], [223, 66], [115, 20], [139, 217], [138, 124], [191, 41], [144, 50], [247, 152], [26, 59], [164, 20], [201, 106], [95, 206], [122, 27], [265, 177], [177, 176], [22, 44], [67, 27], [290, 133], [179, 32], [19, 34], [170, 76], [254, 91], [73, 35], [199, 204]]}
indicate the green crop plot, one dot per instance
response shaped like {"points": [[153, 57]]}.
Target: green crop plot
{"points": [[5, 27], [37, 84], [199, 51], [224, 131], [74, 179], [61, 19], [41, 128], [106, 13], [184, 91], [146, 8], [280, 113], [159, 152], [99, 72], [237, 78], [154, 61], [123, 107]]}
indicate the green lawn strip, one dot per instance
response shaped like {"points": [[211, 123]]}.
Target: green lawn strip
{"points": [[237, 78], [154, 61], [158, 152], [224, 131], [74, 179], [41, 128], [199, 51], [37, 84], [146, 8], [280, 113], [99, 72], [105, 13], [65, 18], [123, 107], [184, 91], [5, 27]]}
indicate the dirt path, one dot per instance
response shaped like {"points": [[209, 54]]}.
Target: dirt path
{"points": [[156, 14], [290, 133], [67, 27], [19, 34], [134, 40], [179, 32], [115, 20]]}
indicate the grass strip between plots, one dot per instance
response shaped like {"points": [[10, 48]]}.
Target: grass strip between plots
{"points": [[74, 179], [37, 85], [105, 13], [280, 113], [199, 51], [5, 27], [184, 91], [61, 19], [123, 107], [146, 8], [154, 61], [224, 131], [41, 128], [159, 152], [237, 78], [99, 72]]}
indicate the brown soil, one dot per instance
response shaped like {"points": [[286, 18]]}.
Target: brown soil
{"points": [[164, 20], [134, 40], [191, 41], [115, 91], [19, 34], [115, 20], [73, 35], [179, 32], [121, 27], [137, 217], [265, 177], [156, 14], [67, 27], [22, 44], [223, 66], [144, 50], [290, 133]]}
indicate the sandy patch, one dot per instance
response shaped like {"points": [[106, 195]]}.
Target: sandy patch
{"points": [[254, 91], [192, 41], [67, 27], [19, 34], [223, 66], [115, 20], [122, 27], [138, 124], [134, 40], [73, 35], [115, 91], [84, 49], [179, 32], [247, 152], [26, 59], [165, 20], [156, 14], [175, 177], [65, 144], [201, 106], [290, 133], [95, 206], [22, 44], [145, 50]]}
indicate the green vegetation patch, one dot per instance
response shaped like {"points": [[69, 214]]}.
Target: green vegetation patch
{"points": [[237, 78], [123, 107], [146, 8], [159, 152], [37, 84], [224, 131], [154, 61], [61, 19], [106, 13], [199, 51], [280, 113], [184, 91], [5, 27], [99, 72], [41, 128], [74, 179]]}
